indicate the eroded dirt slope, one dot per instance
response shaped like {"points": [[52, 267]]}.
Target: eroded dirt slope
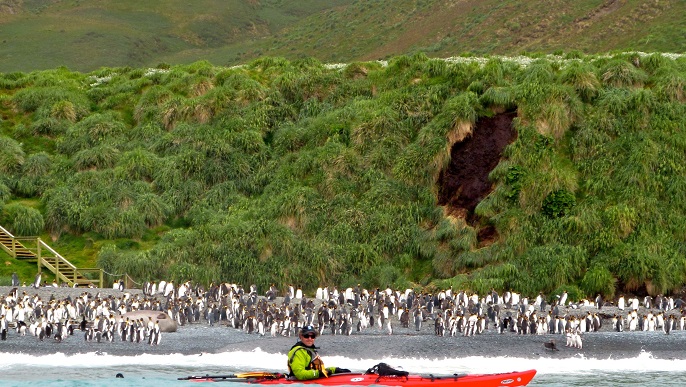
{"points": [[465, 182]]}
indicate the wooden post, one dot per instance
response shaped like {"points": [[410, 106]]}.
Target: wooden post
{"points": [[38, 253]]}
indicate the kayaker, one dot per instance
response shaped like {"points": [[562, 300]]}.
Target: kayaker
{"points": [[304, 362]]}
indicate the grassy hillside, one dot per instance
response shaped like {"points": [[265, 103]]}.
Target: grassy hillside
{"points": [[296, 172], [87, 35]]}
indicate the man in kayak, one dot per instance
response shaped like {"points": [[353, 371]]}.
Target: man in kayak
{"points": [[304, 362]]}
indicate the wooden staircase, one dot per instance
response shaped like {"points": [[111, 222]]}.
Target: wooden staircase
{"points": [[15, 248], [45, 257]]}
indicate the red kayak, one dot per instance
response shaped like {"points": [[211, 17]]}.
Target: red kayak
{"points": [[509, 379]]}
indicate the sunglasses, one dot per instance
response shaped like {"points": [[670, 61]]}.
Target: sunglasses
{"points": [[309, 336]]}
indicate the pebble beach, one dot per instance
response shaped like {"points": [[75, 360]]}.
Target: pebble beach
{"points": [[199, 338]]}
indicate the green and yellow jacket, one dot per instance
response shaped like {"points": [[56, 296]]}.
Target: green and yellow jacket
{"points": [[300, 365]]}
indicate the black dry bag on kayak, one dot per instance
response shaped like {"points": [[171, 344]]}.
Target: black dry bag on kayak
{"points": [[383, 369]]}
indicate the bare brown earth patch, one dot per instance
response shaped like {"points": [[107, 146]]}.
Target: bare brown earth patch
{"points": [[465, 182], [607, 7]]}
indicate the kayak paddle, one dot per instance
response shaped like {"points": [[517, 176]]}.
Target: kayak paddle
{"points": [[244, 375]]}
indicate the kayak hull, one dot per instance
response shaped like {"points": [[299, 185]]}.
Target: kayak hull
{"points": [[509, 379]]}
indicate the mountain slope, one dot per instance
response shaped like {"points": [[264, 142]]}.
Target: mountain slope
{"points": [[87, 35]]}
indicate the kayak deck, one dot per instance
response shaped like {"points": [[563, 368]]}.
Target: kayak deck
{"points": [[509, 379]]}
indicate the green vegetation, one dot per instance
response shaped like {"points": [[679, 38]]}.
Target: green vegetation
{"points": [[295, 172], [86, 35]]}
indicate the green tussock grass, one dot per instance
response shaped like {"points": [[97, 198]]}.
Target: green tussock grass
{"points": [[284, 171]]}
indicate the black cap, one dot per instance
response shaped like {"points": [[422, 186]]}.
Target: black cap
{"points": [[308, 329]]}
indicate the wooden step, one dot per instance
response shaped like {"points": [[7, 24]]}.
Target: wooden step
{"points": [[20, 251]]}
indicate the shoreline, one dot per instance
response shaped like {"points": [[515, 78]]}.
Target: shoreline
{"points": [[199, 338]]}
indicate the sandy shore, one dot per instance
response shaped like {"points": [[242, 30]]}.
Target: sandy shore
{"points": [[404, 342]]}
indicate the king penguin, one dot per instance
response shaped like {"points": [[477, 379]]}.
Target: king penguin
{"points": [[36, 281]]}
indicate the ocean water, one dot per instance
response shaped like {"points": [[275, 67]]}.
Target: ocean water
{"points": [[100, 368]]}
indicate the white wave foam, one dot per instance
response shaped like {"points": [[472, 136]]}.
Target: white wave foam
{"points": [[644, 362], [260, 360]]}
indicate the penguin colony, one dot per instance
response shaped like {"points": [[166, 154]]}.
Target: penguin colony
{"points": [[356, 309], [331, 311], [98, 319]]}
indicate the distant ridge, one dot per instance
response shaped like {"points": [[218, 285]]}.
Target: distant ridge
{"points": [[85, 36]]}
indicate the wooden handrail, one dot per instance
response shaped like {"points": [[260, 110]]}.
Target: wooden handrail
{"points": [[6, 232], [56, 254], [13, 250]]}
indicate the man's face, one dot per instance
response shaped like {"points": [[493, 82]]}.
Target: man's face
{"points": [[308, 338]]}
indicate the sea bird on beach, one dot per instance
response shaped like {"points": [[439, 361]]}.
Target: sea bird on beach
{"points": [[551, 345], [36, 281]]}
